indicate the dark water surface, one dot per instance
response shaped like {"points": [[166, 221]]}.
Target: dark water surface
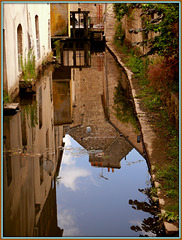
{"points": [[68, 170]]}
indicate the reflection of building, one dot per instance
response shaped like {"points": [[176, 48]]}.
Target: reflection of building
{"points": [[31, 140], [47, 224], [61, 95], [89, 127], [76, 54], [73, 54], [112, 155], [18, 169]]}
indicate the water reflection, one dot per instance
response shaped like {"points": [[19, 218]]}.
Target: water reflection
{"points": [[91, 202], [31, 154], [100, 171]]}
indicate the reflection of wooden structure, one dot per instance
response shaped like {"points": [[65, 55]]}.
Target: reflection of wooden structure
{"points": [[76, 54], [79, 22], [73, 54], [84, 26], [61, 95]]}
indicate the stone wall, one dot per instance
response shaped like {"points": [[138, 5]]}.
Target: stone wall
{"points": [[135, 21]]}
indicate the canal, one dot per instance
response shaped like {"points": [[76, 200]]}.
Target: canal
{"points": [[74, 162]]}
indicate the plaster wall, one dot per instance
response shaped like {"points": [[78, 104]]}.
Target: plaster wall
{"points": [[24, 14], [43, 13], [13, 15]]}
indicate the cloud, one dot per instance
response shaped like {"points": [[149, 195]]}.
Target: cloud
{"points": [[70, 176], [66, 221]]}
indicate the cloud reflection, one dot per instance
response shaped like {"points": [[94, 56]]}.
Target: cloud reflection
{"points": [[68, 223], [69, 176], [70, 173]]}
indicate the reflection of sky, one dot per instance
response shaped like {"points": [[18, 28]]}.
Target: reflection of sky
{"points": [[89, 205]]}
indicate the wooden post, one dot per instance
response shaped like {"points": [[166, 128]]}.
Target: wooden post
{"points": [[86, 25], [74, 54], [73, 24]]}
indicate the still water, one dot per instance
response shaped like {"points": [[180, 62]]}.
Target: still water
{"points": [[71, 166], [94, 202]]}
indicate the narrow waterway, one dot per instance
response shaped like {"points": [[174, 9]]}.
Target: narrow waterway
{"points": [[74, 165]]}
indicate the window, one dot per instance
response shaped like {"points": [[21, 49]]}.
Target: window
{"points": [[37, 35], [20, 48]]}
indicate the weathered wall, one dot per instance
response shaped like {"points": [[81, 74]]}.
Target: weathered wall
{"points": [[24, 14], [43, 13], [59, 19], [14, 14]]}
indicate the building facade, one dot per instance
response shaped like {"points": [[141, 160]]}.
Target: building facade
{"points": [[26, 27]]}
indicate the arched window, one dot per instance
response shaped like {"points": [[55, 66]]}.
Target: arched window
{"points": [[20, 47], [37, 35]]}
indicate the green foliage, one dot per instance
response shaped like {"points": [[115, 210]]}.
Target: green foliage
{"points": [[169, 216], [119, 32], [6, 97], [165, 25], [173, 208], [30, 112], [153, 192], [169, 173], [151, 98], [172, 193], [28, 66], [138, 65], [120, 9], [58, 46]]}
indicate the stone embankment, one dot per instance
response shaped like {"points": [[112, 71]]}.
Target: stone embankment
{"points": [[154, 147]]}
